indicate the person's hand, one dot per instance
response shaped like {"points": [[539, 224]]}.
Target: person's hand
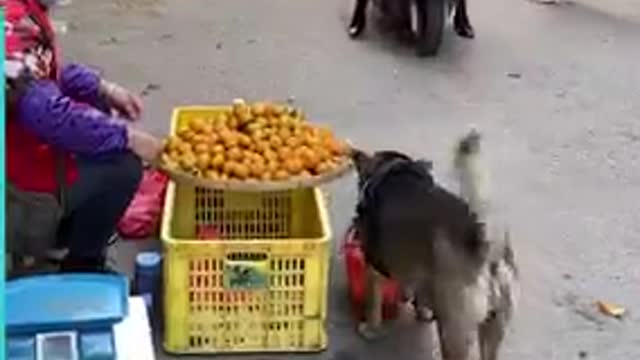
{"points": [[122, 100], [145, 145]]}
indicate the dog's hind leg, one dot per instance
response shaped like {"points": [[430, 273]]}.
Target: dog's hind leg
{"points": [[359, 18], [461, 23], [372, 327], [490, 336]]}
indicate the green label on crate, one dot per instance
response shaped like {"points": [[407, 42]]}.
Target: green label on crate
{"points": [[245, 275]]}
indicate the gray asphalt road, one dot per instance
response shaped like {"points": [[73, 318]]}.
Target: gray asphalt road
{"points": [[555, 89]]}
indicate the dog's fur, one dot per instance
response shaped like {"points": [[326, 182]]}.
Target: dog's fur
{"points": [[443, 246], [461, 23]]}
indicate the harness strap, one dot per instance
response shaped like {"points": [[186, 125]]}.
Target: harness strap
{"points": [[371, 183]]}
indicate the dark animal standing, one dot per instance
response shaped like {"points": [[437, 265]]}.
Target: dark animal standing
{"points": [[443, 247]]}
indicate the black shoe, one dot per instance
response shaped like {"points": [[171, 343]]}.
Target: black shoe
{"points": [[463, 27]]}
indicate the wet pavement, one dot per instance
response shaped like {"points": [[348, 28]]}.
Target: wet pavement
{"points": [[554, 87]]}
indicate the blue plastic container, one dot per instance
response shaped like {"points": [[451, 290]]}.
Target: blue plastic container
{"points": [[68, 315], [147, 279]]}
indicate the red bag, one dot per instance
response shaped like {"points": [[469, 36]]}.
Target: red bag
{"points": [[356, 275], [142, 217]]}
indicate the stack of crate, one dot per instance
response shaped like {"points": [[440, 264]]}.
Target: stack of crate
{"points": [[244, 271]]}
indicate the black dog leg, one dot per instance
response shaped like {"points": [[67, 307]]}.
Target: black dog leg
{"points": [[359, 18], [461, 23]]}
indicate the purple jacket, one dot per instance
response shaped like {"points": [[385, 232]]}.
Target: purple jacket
{"points": [[65, 114]]}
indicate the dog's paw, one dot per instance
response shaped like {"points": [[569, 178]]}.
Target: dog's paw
{"points": [[464, 29], [424, 314], [369, 332]]}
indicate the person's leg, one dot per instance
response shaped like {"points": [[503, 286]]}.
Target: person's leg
{"points": [[358, 18], [461, 22], [94, 206]]}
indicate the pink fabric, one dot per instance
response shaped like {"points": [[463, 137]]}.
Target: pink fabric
{"points": [[142, 218]]}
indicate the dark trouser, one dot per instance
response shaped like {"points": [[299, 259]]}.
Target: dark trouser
{"points": [[94, 205]]}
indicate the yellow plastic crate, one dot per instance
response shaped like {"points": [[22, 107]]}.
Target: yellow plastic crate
{"points": [[261, 287]]}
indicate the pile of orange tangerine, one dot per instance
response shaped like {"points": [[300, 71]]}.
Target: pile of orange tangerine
{"points": [[260, 141]]}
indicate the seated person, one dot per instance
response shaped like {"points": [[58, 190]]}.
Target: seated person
{"points": [[64, 113]]}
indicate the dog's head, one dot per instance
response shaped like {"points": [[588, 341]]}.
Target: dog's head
{"points": [[367, 165]]}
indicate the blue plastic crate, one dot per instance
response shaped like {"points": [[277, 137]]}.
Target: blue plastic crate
{"points": [[70, 314]]}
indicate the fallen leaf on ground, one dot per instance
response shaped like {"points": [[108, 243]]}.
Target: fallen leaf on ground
{"points": [[149, 88], [611, 309], [110, 41], [514, 75]]}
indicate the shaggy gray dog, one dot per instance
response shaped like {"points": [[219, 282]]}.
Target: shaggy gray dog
{"points": [[446, 248]]}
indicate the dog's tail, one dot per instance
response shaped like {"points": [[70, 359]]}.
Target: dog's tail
{"points": [[472, 172]]}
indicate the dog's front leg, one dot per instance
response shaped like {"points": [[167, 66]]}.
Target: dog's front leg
{"points": [[359, 18], [456, 337], [461, 23], [372, 327]]}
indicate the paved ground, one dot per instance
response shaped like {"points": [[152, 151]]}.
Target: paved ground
{"points": [[626, 9], [554, 87]]}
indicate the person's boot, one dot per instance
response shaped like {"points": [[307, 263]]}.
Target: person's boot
{"points": [[86, 265]]}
